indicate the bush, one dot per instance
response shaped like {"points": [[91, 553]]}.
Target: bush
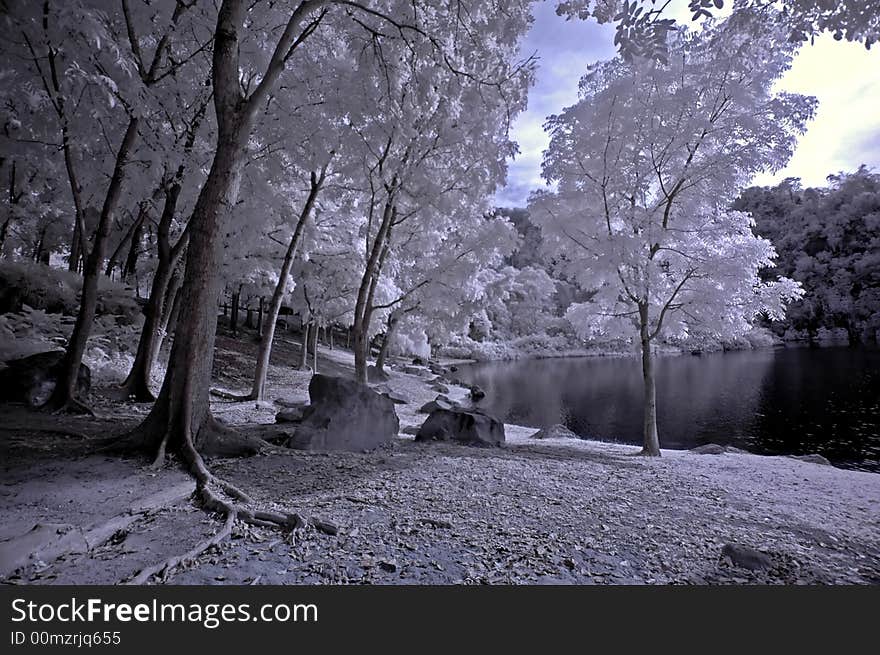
{"points": [[56, 291]]}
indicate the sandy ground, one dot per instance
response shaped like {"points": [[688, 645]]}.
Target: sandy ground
{"points": [[549, 511]]}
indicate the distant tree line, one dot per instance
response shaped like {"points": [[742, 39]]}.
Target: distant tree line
{"points": [[828, 239]]}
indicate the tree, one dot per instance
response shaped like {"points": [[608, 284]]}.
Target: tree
{"points": [[828, 239], [647, 164]]}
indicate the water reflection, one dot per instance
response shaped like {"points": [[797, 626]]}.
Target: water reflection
{"points": [[793, 400]]}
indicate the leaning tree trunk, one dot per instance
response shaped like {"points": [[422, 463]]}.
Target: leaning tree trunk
{"points": [[651, 444], [63, 396], [259, 386], [181, 417], [137, 384]]}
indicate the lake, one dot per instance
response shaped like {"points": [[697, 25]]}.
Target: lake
{"points": [[784, 401]]}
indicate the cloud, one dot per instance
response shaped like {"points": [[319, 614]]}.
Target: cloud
{"points": [[844, 134]]}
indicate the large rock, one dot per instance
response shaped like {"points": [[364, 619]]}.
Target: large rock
{"points": [[344, 415], [466, 426], [557, 431], [388, 392], [32, 379], [477, 394], [440, 402], [746, 557]]}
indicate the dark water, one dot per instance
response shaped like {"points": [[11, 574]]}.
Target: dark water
{"points": [[787, 401]]}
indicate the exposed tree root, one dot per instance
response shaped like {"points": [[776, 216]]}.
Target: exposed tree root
{"points": [[231, 396], [166, 566], [215, 495], [69, 406]]}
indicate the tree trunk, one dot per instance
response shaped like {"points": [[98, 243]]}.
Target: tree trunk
{"points": [[181, 415], [64, 392], [137, 384], [136, 225], [332, 329], [651, 445], [233, 316], [315, 329], [258, 387], [260, 317], [130, 267], [304, 352], [249, 317], [363, 309], [169, 316], [386, 342]]}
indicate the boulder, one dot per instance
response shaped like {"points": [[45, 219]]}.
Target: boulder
{"points": [[32, 379], [745, 557], [414, 370], [557, 431], [290, 415], [467, 426], [411, 429], [477, 393], [418, 361], [440, 402], [441, 388], [396, 398], [344, 415], [813, 458], [709, 449], [376, 375]]}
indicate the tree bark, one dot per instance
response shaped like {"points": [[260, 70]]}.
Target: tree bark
{"points": [[63, 396], [651, 440], [259, 384]]}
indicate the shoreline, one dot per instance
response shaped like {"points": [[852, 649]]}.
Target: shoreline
{"points": [[554, 511]]}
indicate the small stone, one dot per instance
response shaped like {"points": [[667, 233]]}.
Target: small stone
{"points": [[746, 557], [325, 526], [388, 565]]}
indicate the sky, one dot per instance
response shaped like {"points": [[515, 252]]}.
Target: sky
{"points": [[844, 76]]}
